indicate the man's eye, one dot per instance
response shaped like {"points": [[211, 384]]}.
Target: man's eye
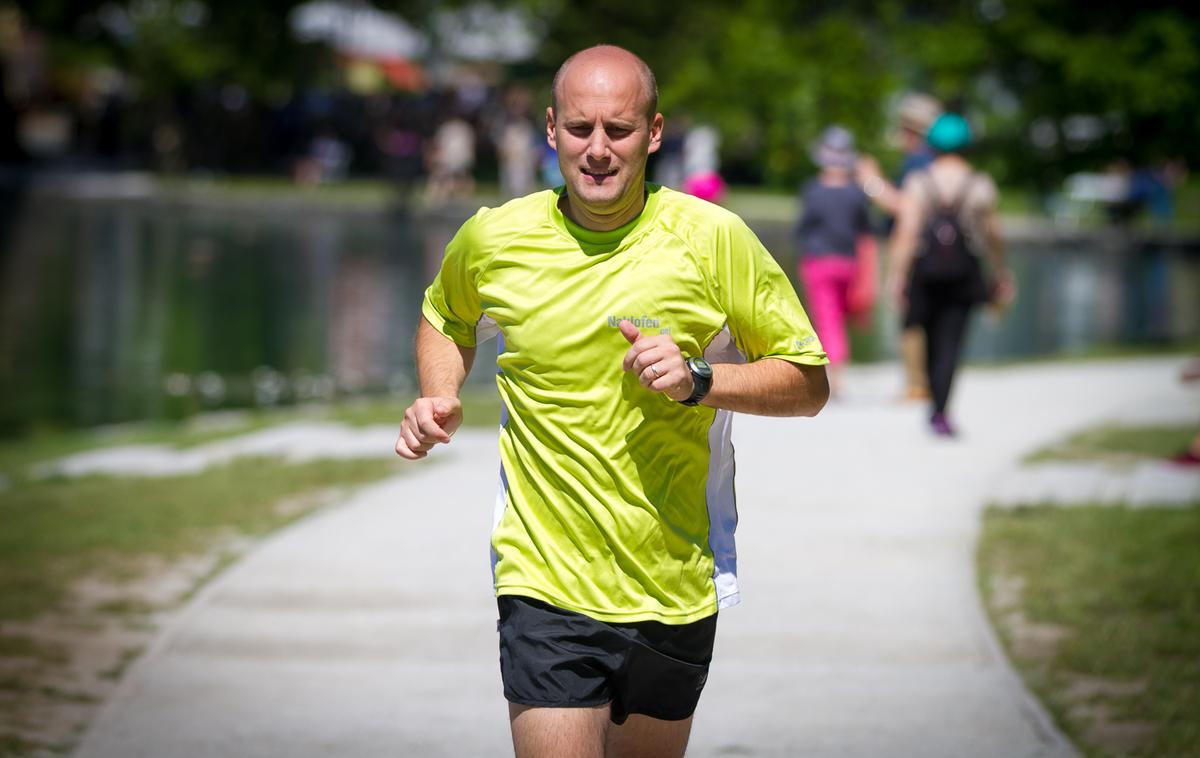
{"points": [[618, 132], [579, 131]]}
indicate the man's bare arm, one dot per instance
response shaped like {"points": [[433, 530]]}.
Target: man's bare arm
{"points": [[876, 186], [442, 367], [442, 364], [769, 387], [766, 387]]}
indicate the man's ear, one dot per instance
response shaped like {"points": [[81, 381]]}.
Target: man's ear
{"points": [[550, 127], [656, 130]]}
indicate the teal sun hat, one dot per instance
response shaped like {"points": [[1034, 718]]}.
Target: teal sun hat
{"points": [[949, 132]]}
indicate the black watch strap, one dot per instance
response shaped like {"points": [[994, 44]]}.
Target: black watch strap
{"points": [[701, 380]]}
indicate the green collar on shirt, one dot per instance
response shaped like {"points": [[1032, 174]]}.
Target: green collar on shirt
{"points": [[610, 240]]}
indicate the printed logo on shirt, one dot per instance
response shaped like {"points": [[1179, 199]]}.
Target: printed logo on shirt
{"points": [[801, 344], [641, 322]]}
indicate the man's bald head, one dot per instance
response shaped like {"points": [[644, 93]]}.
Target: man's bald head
{"points": [[610, 55]]}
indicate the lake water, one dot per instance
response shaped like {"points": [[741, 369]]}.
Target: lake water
{"points": [[121, 308]]}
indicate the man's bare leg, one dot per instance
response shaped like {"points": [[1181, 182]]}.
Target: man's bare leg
{"points": [[558, 732], [645, 737], [912, 353]]}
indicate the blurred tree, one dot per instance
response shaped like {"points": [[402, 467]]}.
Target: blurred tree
{"points": [[173, 45], [1052, 86], [769, 75], [1061, 87]]}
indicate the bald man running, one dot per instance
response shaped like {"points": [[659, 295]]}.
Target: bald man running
{"points": [[632, 321]]}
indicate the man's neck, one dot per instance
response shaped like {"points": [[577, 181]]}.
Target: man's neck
{"points": [[601, 222]]}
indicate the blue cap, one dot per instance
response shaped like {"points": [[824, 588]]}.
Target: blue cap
{"points": [[949, 132]]}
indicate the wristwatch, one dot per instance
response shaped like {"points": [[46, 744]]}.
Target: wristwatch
{"points": [[701, 380]]}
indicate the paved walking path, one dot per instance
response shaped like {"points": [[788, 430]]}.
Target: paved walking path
{"points": [[368, 630]]}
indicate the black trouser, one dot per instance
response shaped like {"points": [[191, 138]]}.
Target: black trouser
{"points": [[942, 312]]}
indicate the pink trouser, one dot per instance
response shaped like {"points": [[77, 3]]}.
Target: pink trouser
{"points": [[827, 278]]}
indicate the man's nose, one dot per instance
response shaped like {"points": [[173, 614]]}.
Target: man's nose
{"points": [[597, 148]]}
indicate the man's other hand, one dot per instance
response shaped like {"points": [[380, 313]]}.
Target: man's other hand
{"points": [[657, 363], [428, 421]]}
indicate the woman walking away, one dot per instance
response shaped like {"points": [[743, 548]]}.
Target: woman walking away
{"points": [[946, 227], [837, 249]]}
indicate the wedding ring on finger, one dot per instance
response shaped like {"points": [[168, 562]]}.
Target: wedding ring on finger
{"points": [[654, 368]]}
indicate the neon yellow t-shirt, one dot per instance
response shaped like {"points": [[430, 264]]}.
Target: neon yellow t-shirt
{"points": [[614, 501]]}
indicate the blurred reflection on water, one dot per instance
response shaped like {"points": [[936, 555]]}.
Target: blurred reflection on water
{"points": [[118, 309]]}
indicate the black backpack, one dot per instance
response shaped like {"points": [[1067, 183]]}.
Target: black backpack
{"points": [[945, 254]]}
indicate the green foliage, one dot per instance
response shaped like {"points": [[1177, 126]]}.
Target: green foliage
{"points": [[175, 46], [771, 75], [771, 89]]}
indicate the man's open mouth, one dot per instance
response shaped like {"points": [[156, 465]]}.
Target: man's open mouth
{"points": [[599, 174]]}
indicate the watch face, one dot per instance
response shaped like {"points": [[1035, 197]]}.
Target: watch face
{"points": [[701, 367]]}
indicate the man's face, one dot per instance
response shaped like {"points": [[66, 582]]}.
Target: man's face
{"points": [[603, 135]]}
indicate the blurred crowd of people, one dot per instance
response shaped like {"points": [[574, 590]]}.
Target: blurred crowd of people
{"points": [[506, 128], [439, 137]]}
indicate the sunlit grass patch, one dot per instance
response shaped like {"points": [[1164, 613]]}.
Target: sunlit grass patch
{"points": [[1099, 608], [1118, 444]]}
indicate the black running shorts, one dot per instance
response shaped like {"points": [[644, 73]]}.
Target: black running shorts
{"points": [[550, 657]]}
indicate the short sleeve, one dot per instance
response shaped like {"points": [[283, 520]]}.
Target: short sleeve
{"points": [[763, 313], [452, 304]]}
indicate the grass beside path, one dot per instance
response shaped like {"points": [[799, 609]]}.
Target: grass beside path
{"points": [[1118, 444], [87, 563], [1099, 605], [1099, 608], [59, 531]]}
